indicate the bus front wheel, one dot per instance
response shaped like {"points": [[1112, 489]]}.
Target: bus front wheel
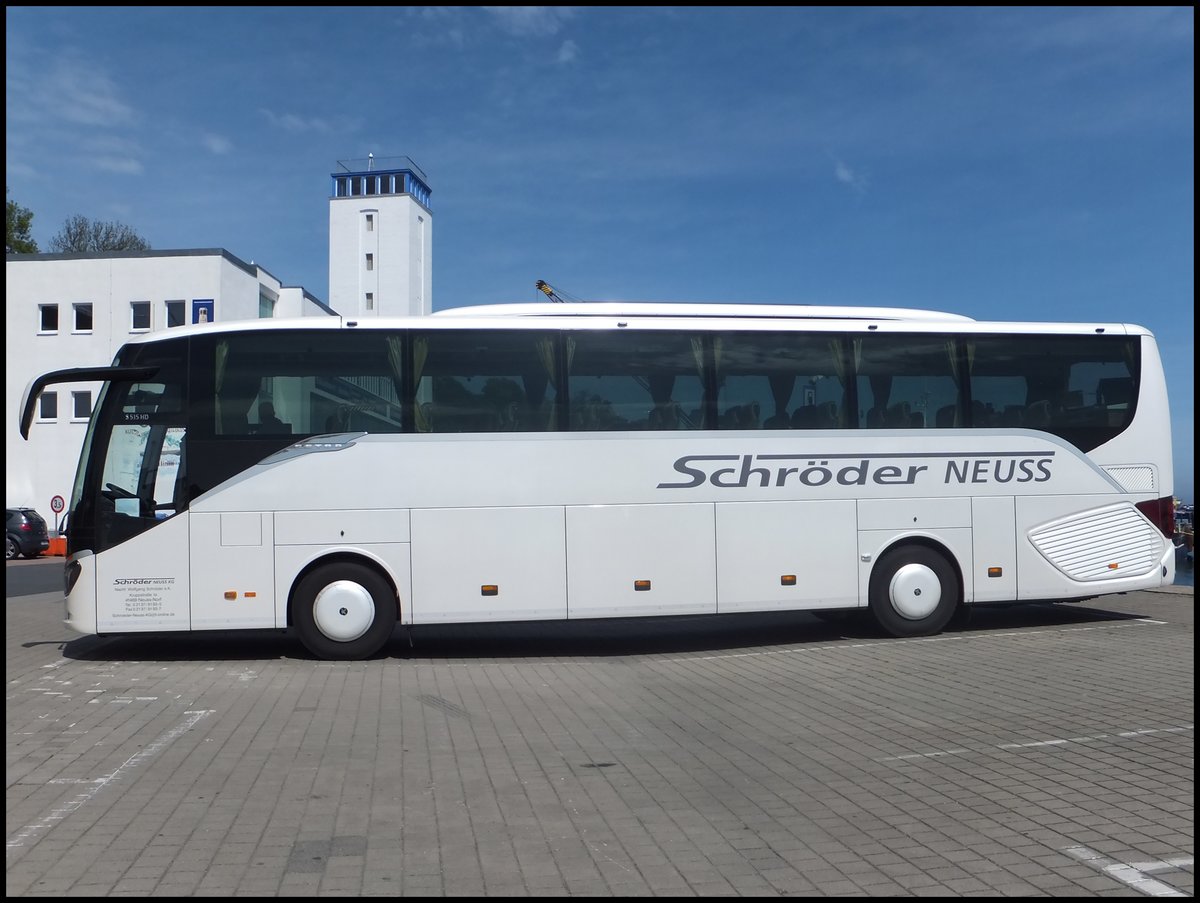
{"points": [[913, 592], [344, 611]]}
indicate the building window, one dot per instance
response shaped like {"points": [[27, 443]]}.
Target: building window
{"points": [[370, 300], [139, 316], [81, 405], [370, 222], [48, 318], [370, 262], [83, 316], [372, 185], [266, 306], [48, 406], [176, 311]]}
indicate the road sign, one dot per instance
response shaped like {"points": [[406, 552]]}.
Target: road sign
{"points": [[57, 504]]}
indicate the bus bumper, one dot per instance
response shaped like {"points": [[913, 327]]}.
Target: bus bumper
{"points": [[81, 593]]}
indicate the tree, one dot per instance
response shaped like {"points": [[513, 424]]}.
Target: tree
{"points": [[81, 235], [17, 223]]}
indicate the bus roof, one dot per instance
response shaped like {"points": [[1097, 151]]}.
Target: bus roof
{"points": [[587, 314], [692, 310]]}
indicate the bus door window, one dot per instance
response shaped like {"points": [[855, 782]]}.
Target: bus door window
{"points": [[140, 472]]}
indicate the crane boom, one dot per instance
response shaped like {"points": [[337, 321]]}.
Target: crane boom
{"points": [[550, 293]]}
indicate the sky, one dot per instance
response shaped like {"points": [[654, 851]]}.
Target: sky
{"points": [[1003, 163]]}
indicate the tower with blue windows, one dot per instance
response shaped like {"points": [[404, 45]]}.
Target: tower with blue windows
{"points": [[380, 238]]}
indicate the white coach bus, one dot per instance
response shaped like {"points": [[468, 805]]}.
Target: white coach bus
{"points": [[550, 461]]}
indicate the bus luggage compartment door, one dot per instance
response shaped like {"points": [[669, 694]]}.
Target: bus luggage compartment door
{"points": [[627, 560], [774, 556], [488, 564], [233, 570]]}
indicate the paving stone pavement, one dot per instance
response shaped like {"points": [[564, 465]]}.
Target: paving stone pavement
{"points": [[1036, 751]]}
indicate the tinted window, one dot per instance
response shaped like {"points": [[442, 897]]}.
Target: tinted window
{"points": [[787, 380], [906, 381], [631, 380], [1082, 388], [485, 381], [299, 382]]}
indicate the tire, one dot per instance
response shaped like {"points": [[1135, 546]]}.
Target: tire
{"points": [[914, 591], [10, 549], [344, 611]]}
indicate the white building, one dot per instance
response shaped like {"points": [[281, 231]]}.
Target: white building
{"points": [[76, 310], [380, 239]]}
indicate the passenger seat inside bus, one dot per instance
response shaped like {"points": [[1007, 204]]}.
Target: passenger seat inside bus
{"points": [[1037, 415], [1115, 392], [898, 415], [821, 416], [1014, 415]]}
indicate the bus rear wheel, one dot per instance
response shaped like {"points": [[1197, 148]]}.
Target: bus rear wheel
{"points": [[913, 592], [344, 610]]}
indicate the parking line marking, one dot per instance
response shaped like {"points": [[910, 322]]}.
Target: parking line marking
{"points": [[928, 755], [1125, 873], [1176, 862], [58, 814], [1040, 743]]}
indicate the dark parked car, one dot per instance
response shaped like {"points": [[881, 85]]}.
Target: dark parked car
{"points": [[27, 534]]}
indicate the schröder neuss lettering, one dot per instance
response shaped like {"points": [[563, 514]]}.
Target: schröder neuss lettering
{"points": [[741, 471]]}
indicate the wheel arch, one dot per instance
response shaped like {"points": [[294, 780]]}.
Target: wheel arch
{"points": [[342, 556], [928, 542]]}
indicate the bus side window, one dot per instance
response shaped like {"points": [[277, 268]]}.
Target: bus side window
{"points": [[635, 380]]}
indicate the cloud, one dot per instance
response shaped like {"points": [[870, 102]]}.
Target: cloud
{"points": [[71, 112], [847, 176], [527, 21], [568, 52], [112, 153], [67, 90], [434, 26], [82, 95], [290, 122], [124, 165], [217, 144], [1117, 28]]}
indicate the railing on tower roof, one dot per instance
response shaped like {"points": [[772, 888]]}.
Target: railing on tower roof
{"points": [[373, 175], [381, 164]]}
